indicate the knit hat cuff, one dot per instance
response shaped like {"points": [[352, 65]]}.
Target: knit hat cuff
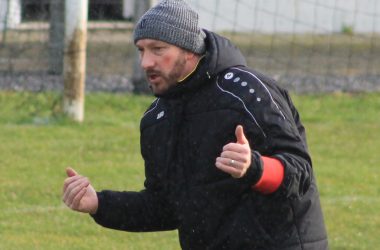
{"points": [[174, 22], [173, 35]]}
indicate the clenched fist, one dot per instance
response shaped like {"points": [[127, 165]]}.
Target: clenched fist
{"points": [[235, 158], [78, 193]]}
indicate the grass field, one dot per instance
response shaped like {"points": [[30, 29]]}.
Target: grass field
{"points": [[36, 146]]}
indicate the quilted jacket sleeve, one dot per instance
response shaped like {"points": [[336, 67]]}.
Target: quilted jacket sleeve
{"points": [[273, 126], [134, 211], [146, 210]]}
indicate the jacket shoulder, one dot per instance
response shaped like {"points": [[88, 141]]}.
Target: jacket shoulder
{"points": [[259, 96], [247, 86]]}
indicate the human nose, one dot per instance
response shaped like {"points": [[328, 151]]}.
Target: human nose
{"points": [[146, 61]]}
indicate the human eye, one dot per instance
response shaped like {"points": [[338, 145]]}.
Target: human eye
{"points": [[159, 49], [140, 50]]}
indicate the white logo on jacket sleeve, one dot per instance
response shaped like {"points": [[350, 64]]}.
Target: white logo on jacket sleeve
{"points": [[160, 115], [228, 76]]}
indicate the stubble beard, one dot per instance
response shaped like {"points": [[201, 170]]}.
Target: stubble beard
{"points": [[170, 79]]}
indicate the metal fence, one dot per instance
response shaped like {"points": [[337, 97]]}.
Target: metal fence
{"points": [[307, 45]]}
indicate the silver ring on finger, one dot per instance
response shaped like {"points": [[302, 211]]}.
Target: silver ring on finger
{"points": [[232, 163]]}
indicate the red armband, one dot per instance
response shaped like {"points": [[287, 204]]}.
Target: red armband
{"points": [[272, 177]]}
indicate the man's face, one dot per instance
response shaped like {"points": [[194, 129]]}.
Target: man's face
{"points": [[164, 64]]}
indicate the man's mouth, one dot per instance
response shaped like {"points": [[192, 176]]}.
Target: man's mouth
{"points": [[152, 76]]}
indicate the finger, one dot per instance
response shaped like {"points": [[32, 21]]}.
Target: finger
{"points": [[71, 172], [227, 161], [240, 136], [228, 169], [70, 180], [71, 196], [230, 155], [74, 188], [240, 148], [75, 205]]}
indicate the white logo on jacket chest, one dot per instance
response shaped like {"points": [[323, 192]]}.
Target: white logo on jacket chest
{"points": [[160, 115]]}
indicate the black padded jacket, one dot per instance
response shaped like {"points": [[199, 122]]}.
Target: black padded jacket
{"points": [[182, 134]]}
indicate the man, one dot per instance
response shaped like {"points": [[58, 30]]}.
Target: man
{"points": [[226, 159]]}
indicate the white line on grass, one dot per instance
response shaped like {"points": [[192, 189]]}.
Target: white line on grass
{"points": [[34, 209]]}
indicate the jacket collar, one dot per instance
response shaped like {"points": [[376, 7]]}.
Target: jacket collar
{"points": [[220, 54]]}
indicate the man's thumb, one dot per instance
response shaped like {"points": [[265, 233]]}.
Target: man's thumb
{"points": [[70, 172], [240, 136]]}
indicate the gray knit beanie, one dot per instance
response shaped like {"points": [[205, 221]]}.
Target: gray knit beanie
{"points": [[174, 22]]}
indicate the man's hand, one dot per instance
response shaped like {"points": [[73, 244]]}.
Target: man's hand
{"points": [[236, 156], [78, 194]]}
